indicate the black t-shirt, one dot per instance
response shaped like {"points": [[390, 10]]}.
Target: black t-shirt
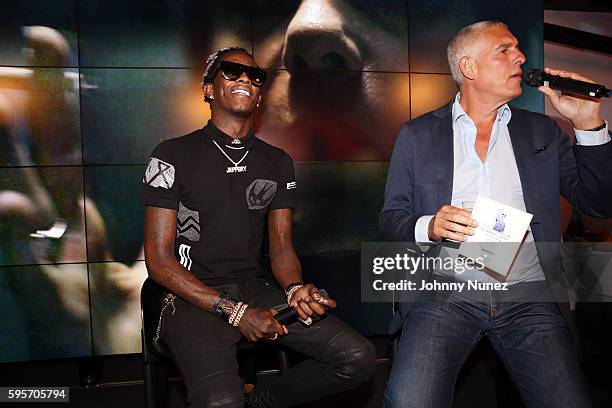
{"points": [[221, 205]]}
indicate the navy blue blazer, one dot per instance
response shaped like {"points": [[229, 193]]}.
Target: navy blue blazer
{"points": [[420, 181]]}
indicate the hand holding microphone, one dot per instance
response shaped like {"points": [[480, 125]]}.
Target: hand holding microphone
{"points": [[288, 314], [579, 101], [568, 84]]}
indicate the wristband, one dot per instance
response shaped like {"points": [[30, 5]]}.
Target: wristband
{"points": [[215, 306], [225, 306], [595, 129]]}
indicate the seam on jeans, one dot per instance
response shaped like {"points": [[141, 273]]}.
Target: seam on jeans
{"points": [[330, 341], [509, 366], [473, 345], [201, 379], [177, 360], [467, 355], [336, 336]]}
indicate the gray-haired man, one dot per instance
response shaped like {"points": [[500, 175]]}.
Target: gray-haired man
{"points": [[478, 145]]}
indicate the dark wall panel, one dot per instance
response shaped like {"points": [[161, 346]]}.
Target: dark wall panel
{"points": [[430, 91], [159, 34], [354, 35], [318, 115], [338, 205], [25, 28], [115, 306], [130, 111], [40, 116], [114, 213], [43, 218], [45, 310]]}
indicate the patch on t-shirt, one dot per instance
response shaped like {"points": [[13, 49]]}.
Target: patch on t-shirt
{"points": [[188, 223], [159, 174], [260, 193]]}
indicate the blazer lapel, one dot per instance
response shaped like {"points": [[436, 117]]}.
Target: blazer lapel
{"points": [[524, 152], [443, 155]]}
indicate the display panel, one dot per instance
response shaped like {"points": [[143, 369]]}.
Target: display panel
{"points": [[114, 213], [130, 111], [89, 88], [45, 312], [40, 116], [429, 92], [159, 34], [115, 306], [43, 218], [358, 35], [338, 205], [38, 33], [318, 116]]}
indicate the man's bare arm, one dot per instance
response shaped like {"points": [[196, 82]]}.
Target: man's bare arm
{"points": [[285, 264], [162, 266], [286, 267]]}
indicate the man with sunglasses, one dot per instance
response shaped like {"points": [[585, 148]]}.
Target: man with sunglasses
{"points": [[209, 197]]}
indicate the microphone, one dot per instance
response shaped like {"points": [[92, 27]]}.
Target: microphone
{"points": [[286, 315], [537, 77]]}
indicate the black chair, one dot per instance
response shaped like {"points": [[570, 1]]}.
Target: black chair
{"points": [[157, 358]]}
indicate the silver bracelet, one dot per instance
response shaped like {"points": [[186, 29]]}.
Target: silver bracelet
{"points": [[234, 313], [240, 314], [292, 291]]}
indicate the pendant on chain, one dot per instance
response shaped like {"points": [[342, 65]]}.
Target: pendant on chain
{"points": [[236, 169]]}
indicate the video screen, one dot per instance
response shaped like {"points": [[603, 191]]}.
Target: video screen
{"points": [[87, 92]]}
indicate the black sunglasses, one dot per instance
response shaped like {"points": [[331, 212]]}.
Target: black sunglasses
{"points": [[233, 70]]}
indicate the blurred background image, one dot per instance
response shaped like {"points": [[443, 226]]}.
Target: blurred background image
{"points": [[89, 87]]}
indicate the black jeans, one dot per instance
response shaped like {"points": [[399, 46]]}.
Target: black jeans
{"points": [[204, 348]]}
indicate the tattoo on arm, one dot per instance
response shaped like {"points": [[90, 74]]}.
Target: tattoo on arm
{"points": [[162, 266]]}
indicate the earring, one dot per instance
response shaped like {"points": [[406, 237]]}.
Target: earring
{"points": [[212, 97]]}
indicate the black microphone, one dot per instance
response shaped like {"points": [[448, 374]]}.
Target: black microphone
{"points": [[286, 314], [537, 77]]}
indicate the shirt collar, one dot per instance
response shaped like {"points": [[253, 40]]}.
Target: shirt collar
{"points": [[223, 138], [503, 112]]}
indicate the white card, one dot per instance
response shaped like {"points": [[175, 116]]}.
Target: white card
{"points": [[498, 237]]}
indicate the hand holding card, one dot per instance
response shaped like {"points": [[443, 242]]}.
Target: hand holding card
{"points": [[498, 237]]}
